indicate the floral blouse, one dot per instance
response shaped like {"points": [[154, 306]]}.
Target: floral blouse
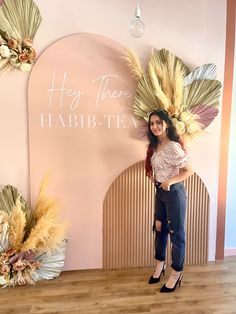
{"points": [[166, 162]]}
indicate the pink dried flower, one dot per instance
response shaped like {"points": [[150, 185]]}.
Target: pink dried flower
{"points": [[23, 57], [27, 42], [32, 54], [35, 265], [12, 43], [19, 265], [10, 252], [3, 258], [5, 269]]}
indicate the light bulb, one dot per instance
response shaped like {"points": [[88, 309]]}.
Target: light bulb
{"points": [[136, 28]]}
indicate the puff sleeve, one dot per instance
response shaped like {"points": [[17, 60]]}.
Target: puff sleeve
{"points": [[176, 156]]}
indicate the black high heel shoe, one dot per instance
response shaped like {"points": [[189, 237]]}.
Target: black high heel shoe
{"points": [[178, 282], [153, 280]]}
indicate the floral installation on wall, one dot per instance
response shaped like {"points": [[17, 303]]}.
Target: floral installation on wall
{"points": [[32, 243], [19, 21], [190, 98]]}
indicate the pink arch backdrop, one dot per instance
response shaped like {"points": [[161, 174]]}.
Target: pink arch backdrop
{"points": [[80, 127]]}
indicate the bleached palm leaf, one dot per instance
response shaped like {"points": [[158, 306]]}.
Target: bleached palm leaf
{"points": [[204, 72], [7, 30], [4, 217], [8, 197], [165, 65], [4, 243], [156, 63], [165, 57], [201, 92], [51, 263], [133, 63], [19, 18]]}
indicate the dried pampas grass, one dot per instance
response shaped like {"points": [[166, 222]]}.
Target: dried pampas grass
{"points": [[17, 224], [49, 230], [133, 63]]}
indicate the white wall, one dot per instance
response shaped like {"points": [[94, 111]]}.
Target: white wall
{"points": [[192, 29]]}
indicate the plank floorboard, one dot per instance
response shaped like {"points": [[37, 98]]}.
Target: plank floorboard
{"points": [[206, 289]]}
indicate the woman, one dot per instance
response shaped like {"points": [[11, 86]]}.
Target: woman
{"points": [[167, 165]]}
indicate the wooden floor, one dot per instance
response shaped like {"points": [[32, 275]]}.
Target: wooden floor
{"points": [[208, 288]]}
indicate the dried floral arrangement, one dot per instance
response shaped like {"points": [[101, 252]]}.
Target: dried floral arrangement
{"points": [[32, 243], [190, 98], [19, 21]]}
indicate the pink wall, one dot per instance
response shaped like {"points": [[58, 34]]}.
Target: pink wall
{"points": [[188, 28]]}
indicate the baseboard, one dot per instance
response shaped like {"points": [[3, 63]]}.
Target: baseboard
{"points": [[230, 251]]}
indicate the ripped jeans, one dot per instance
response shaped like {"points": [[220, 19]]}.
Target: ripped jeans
{"points": [[170, 209]]}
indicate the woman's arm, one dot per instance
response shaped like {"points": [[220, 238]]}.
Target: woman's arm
{"points": [[184, 173]]}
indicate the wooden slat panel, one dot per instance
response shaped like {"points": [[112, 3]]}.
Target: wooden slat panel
{"points": [[128, 208]]}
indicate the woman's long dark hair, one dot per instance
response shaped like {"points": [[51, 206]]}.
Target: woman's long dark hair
{"points": [[153, 140]]}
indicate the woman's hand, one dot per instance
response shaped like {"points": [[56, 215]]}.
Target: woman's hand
{"points": [[152, 179], [166, 185], [150, 176]]}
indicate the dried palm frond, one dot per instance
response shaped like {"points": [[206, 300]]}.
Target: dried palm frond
{"points": [[204, 72], [133, 63], [50, 263], [8, 197], [20, 19], [4, 243], [166, 58], [168, 67], [17, 224], [201, 92], [4, 217], [205, 114]]}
